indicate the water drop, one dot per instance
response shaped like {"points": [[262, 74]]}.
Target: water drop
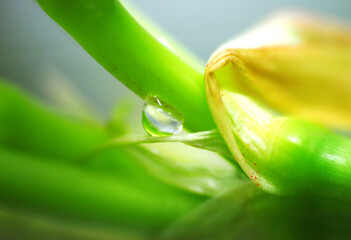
{"points": [[160, 121]]}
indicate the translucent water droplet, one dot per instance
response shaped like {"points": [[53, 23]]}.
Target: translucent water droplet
{"points": [[160, 121]]}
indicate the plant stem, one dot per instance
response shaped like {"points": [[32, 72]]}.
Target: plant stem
{"points": [[37, 148], [125, 49], [63, 191], [28, 126]]}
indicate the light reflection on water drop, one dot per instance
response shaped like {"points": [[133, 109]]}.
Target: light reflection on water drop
{"points": [[157, 121]]}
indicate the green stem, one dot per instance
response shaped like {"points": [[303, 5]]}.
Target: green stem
{"points": [[28, 126], [111, 36], [208, 140], [69, 193], [38, 174]]}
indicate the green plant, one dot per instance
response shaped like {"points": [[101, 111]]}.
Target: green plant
{"points": [[91, 176]]}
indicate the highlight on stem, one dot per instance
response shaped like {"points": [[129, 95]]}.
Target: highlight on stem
{"points": [[146, 65]]}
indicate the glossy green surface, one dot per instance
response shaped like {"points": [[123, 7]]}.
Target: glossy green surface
{"points": [[111, 36], [308, 159]]}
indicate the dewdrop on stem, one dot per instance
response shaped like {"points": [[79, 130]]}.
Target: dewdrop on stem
{"points": [[159, 120]]}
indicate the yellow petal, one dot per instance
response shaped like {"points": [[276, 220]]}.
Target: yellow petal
{"points": [[298, 65]]}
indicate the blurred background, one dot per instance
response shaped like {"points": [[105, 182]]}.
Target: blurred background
{"points": [[35, 50]]}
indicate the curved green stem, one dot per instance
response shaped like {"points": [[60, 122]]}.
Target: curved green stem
{"points": [[146, 66]]}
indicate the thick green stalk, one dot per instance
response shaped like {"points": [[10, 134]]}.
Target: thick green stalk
{"points": [[70, 193], [111, 36], [310, 159]]}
